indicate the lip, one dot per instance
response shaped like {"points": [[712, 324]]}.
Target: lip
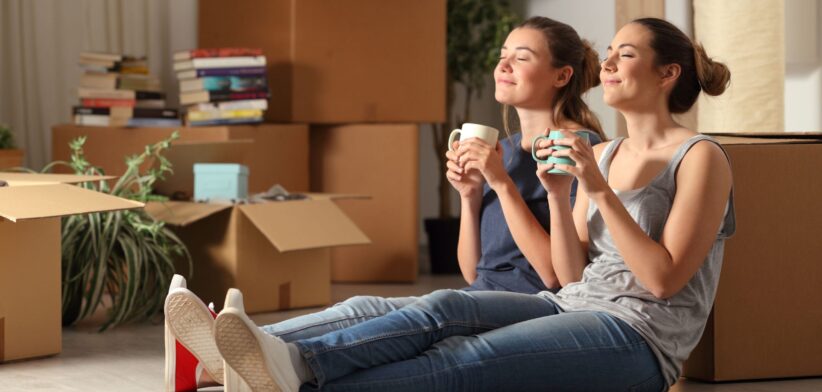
{"points": [[612, 82], [505, 81]]}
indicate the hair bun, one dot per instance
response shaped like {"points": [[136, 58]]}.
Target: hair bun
{"points": [[714, 77], [590, 66]]}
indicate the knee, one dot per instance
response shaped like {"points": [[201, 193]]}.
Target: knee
{"points": [[442, 302]]}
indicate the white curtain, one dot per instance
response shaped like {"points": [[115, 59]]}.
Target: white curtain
{"points": [[40, 44]]}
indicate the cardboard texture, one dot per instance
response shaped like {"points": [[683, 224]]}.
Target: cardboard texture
{"points": [[30, 306], [766, 318], [315, 51], [277, 253], [381, 161], [277, 155], [28, 179]]}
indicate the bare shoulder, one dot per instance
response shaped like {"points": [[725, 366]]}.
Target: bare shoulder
{"points": [[706, 160], [598, 148]]}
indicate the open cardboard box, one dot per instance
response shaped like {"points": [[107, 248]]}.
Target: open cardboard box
{"points": [[276, 253], [767, 318], [30, 303]]}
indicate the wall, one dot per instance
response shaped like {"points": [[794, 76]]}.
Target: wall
{"points": [[803, 68]]}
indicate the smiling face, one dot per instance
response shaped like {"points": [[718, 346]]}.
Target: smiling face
{"points": [[630, 78], [525, 76]]}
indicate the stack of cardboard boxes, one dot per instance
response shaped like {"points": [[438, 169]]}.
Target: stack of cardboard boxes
{"points": [[350, 81]]}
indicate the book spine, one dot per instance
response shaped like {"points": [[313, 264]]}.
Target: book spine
{"points": [[227, 121], [106, 103], [224, 52], [236, 96], [153, 122], [228, 62], [234, 83], [103, 111], [155, 113]]}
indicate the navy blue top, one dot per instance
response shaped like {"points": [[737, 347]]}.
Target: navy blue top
{"points": [[502, 266]]}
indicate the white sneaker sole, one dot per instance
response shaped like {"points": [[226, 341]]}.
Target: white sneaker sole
{"points": [[192, 324], [252, 354]]}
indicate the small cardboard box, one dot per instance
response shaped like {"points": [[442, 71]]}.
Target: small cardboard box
{"points": [[278, 154], [334, 62], [30, 304], [767, 319], [382, 161], [276, 253]]}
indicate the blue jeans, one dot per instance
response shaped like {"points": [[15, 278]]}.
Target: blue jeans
{"points": [[483, 341], [342, 315]]}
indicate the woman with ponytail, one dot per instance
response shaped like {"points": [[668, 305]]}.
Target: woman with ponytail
{"points": [[638, 258], [543, 70]]}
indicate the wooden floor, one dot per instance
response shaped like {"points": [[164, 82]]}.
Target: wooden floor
{"points": [[131, 358]]}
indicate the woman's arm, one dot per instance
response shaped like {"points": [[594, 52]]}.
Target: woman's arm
{"points": [[703, 184], [529, 236], [468, 248], [569, 228]]}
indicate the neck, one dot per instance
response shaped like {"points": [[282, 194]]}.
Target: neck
{"points": [[648, 129], [535, 122]]}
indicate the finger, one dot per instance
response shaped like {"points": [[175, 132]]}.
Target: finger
{"points": [[453, 167], [543, 153], [451, 155], [568, 169], [455, 145], [453, 176]]}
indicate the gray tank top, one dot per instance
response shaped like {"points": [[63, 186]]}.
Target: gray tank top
{"points": [[672, 327]]}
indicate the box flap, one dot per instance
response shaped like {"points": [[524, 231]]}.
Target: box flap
{"points": [[766, 137], [183, 156], [304, 224], [42, 201], [20, 179], [337, 196], [181, 213]]}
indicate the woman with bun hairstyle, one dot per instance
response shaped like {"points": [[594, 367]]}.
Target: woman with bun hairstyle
{"points": [[543, 71], [638, 257]]}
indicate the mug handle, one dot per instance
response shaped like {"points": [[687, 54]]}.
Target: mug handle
{"points": [[534, 151], [452, 137]]}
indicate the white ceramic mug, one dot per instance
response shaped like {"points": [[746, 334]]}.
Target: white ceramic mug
{"points": [[470, 130]]}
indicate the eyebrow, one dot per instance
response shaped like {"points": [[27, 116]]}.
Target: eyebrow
{"points": [[521, 48], [621, 46]]}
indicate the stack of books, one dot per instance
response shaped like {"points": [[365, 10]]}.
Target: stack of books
{"points": [[117, 90], [222, 86]]}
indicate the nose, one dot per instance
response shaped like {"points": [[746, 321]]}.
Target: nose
{"points": [[504, 64], [608, 63]]}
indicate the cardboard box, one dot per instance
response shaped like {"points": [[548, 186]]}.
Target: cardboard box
{"points": [[277, 155], [381, 161], [340, 61], [766, 319], [276, 253], [30, 302]]}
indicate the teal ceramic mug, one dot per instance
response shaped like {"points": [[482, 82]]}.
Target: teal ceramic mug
{"points": [[553, 135]]}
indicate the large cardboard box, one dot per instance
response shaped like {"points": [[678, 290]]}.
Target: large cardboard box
{"points": [[30, 304], [767, 318], [340, 61], [278, 153], [276, 253], [381, 161]]}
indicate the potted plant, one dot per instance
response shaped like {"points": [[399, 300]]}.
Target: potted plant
{"points": [[10, 157], [476, 31], [126, 255]]}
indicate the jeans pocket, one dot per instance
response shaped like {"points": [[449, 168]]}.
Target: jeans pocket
{"points": [[654, 383]]}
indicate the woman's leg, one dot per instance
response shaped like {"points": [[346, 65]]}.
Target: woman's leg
{"points": [[408, 332], [576, 351], [342, 315]]}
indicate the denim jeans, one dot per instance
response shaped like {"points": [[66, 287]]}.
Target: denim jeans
{"points": [[454, 340], [342, 315]]}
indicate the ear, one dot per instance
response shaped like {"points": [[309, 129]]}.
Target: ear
{"points": [[563, 76], [669, 74]]}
